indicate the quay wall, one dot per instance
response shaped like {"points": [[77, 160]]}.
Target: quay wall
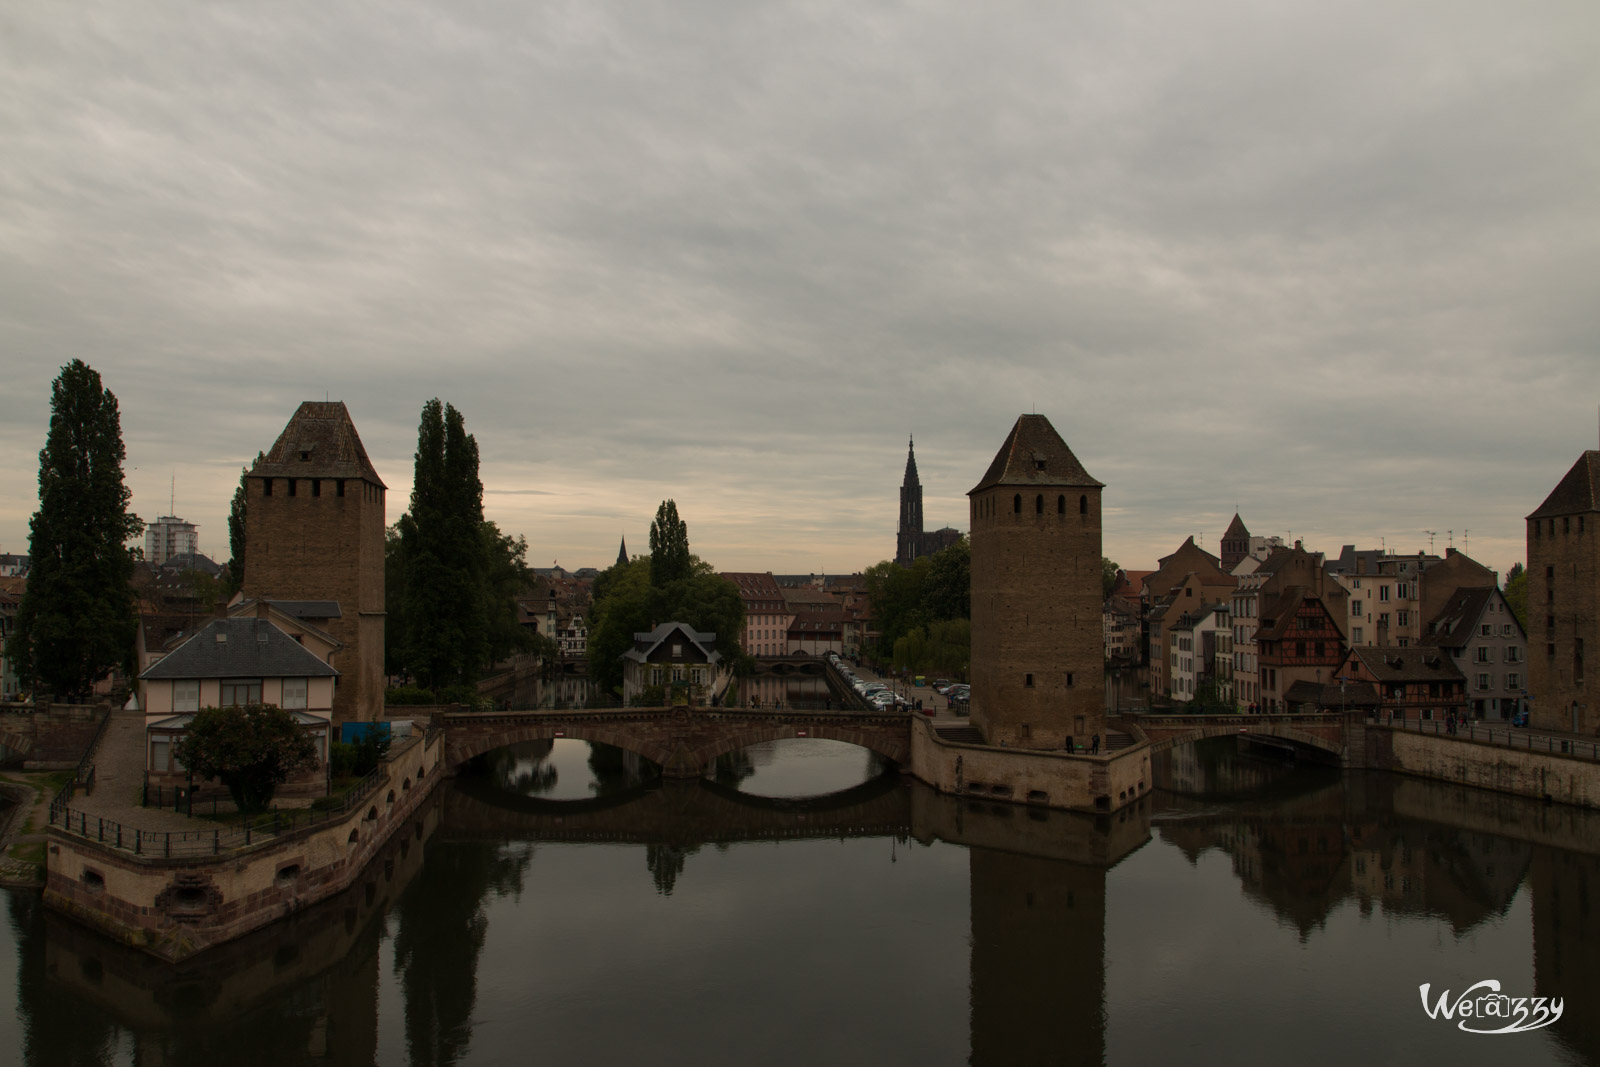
{"points": [[1549, 776], [1049, 779], [175, 907]]}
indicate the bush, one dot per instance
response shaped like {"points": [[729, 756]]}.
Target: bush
{"points": [[459, 694], [407, 695]]}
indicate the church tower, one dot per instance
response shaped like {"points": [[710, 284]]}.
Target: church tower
{"points": [[1037, 648], [908, 545], [622, 552], [314, 521], [1235, 544]]}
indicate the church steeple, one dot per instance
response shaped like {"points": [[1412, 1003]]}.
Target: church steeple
{"points": [[622, 553], [909, 543]]}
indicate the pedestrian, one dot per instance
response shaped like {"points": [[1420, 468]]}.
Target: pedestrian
{"points": [[1094, 745], [1071, 747]]}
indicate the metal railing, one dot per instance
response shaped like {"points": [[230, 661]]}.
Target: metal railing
{"points": [[1493, 734], [214, 841]]}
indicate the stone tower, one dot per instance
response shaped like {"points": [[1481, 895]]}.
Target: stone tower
{"points": [[1564, 601], [1235, 544], [1037, 649], [314, 524], [908, 545]]}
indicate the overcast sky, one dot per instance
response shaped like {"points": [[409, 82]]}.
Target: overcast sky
{"points": [[1335, 264]]}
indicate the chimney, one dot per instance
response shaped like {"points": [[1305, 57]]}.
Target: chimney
{"points": [[1450, 551]]}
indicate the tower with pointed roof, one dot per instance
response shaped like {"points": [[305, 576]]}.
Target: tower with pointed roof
{"points": [[1564, 601], [1037, 648], [1235, 544], [908, 543], [622, 552], [314, 523]]}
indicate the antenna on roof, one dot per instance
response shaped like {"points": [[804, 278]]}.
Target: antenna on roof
{"points": [[1466, 542], [1431, 535], [1452, 534], [172, 503]]}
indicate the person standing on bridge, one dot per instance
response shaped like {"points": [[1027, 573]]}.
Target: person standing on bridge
{"points": [[1094, 745]]}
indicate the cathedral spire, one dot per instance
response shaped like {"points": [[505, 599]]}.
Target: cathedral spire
{"points": [[911, 464], [622, 553]]}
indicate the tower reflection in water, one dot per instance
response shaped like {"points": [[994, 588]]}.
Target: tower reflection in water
{"points": [[1299, 845]]}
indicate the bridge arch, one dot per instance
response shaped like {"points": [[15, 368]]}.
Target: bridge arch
{"points": [[896, 750], [1161, 742], [616, 735]]}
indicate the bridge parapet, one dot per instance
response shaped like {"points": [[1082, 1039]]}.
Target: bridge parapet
{"points": [[1327, 732]]}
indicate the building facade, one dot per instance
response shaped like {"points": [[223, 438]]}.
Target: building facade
{"points": [[1037, 653], [170, 536], [314, 522]]}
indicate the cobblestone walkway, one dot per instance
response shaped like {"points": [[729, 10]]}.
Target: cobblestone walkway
{"points": [[119, 781]]}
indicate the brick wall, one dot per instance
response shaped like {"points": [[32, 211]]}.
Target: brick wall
{"points": [[1563, 610]]}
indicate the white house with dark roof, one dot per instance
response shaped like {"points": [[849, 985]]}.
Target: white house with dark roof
{"points": [[233, 661], [674, 653]]}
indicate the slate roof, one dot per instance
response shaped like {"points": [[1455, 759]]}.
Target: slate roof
{"points": [[1034, 454], [645, 643], [1407, 664], [1578, 492], [308, 609], [323, 433], [1236, 530], [1457, 622], [250, 648]]}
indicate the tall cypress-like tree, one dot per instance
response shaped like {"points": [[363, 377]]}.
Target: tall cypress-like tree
{"points": [[669, 547], [236, 537], [444, 556], [76, 622]]}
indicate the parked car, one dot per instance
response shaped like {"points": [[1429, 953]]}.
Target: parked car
{"points": [[1519, 719], [941, 685]]}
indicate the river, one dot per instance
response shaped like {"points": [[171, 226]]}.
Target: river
{"points": [[562, 904]]}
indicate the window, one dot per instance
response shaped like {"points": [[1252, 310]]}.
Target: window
{"points": [[240, 691], [1383, 592], [1549, 572], [1482, 655], [1083, 504], [1402, 618], [1486, 630], [677, 651], [1483, 681], [1038, 504], [186, 695], [1513, 654], [1513, 681], [1402, 590], [266, 487], [316, 487], [1069, 679], [1061, 505], [294, 694], [1016, 504], [1355, 608], [291, 487], [338, 487], [1355, 635], [1383, 620], [1027, 681]]}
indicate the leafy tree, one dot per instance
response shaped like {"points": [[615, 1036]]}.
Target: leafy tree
{"points": [[76, 622], [236, 535], [506, 576], [669, 547], [446, 626], [252, 749], [1516, 593], [896, 596], [947, 589], [394, 595], [1108, 576]]}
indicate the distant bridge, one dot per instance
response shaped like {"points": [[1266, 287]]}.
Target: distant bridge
{"points": [[684, 741], [1330, 733]]}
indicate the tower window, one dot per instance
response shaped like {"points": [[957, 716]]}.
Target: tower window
{"points": [[1038, 504], [316, 487], [1016, 504], [338, 487], [1083, 504], [1061, 505], [266, 487], [291, 487], [1027, 681], [1069, 679]]}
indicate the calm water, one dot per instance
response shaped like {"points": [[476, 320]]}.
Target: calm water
{"points": [[565, 905]]}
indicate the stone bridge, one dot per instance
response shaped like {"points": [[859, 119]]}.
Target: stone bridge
{"points": [[679, 814], [1330, 733], [48, 737], [684, 741]]}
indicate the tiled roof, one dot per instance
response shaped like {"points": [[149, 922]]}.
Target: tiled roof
{"points": [[1457, 622], [1578, 492], [1332, 695], [308, 609], [1034, 454], [1236, 530], [645, 643], [320, 441], [1407, 664], [240, 648]]}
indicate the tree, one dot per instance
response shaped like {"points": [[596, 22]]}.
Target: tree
{"points": [[1108, 576], [76, 622], [1517, 593], [947, 591], [669, 547], [506, 576], [446, 627], [236, 534], [253, 749]]}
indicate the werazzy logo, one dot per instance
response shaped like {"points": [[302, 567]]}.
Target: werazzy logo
{"points": [[1483, 1009]]}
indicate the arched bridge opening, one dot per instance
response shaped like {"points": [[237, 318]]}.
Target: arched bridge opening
{"points": [[1282, 738]]}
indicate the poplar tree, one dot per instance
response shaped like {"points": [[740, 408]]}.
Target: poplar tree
{"points": [[444, 555], [236, 533], [76, 622], [669, 547]]}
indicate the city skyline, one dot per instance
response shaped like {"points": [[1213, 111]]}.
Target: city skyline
{"points": [[1328, 266]]}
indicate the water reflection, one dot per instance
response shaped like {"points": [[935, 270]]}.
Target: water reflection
{"points": [[1274, 909], [564, 769]]}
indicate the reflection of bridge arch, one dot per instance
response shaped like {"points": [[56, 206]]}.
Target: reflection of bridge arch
{"points": [[1325, 733], [895, 750], [1282, 732], [617, 735]]}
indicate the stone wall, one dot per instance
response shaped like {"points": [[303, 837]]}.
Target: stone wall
{"points": [[176, 907], [50, 737], [1563, 611], [1541, 775], [1049, 779]]}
